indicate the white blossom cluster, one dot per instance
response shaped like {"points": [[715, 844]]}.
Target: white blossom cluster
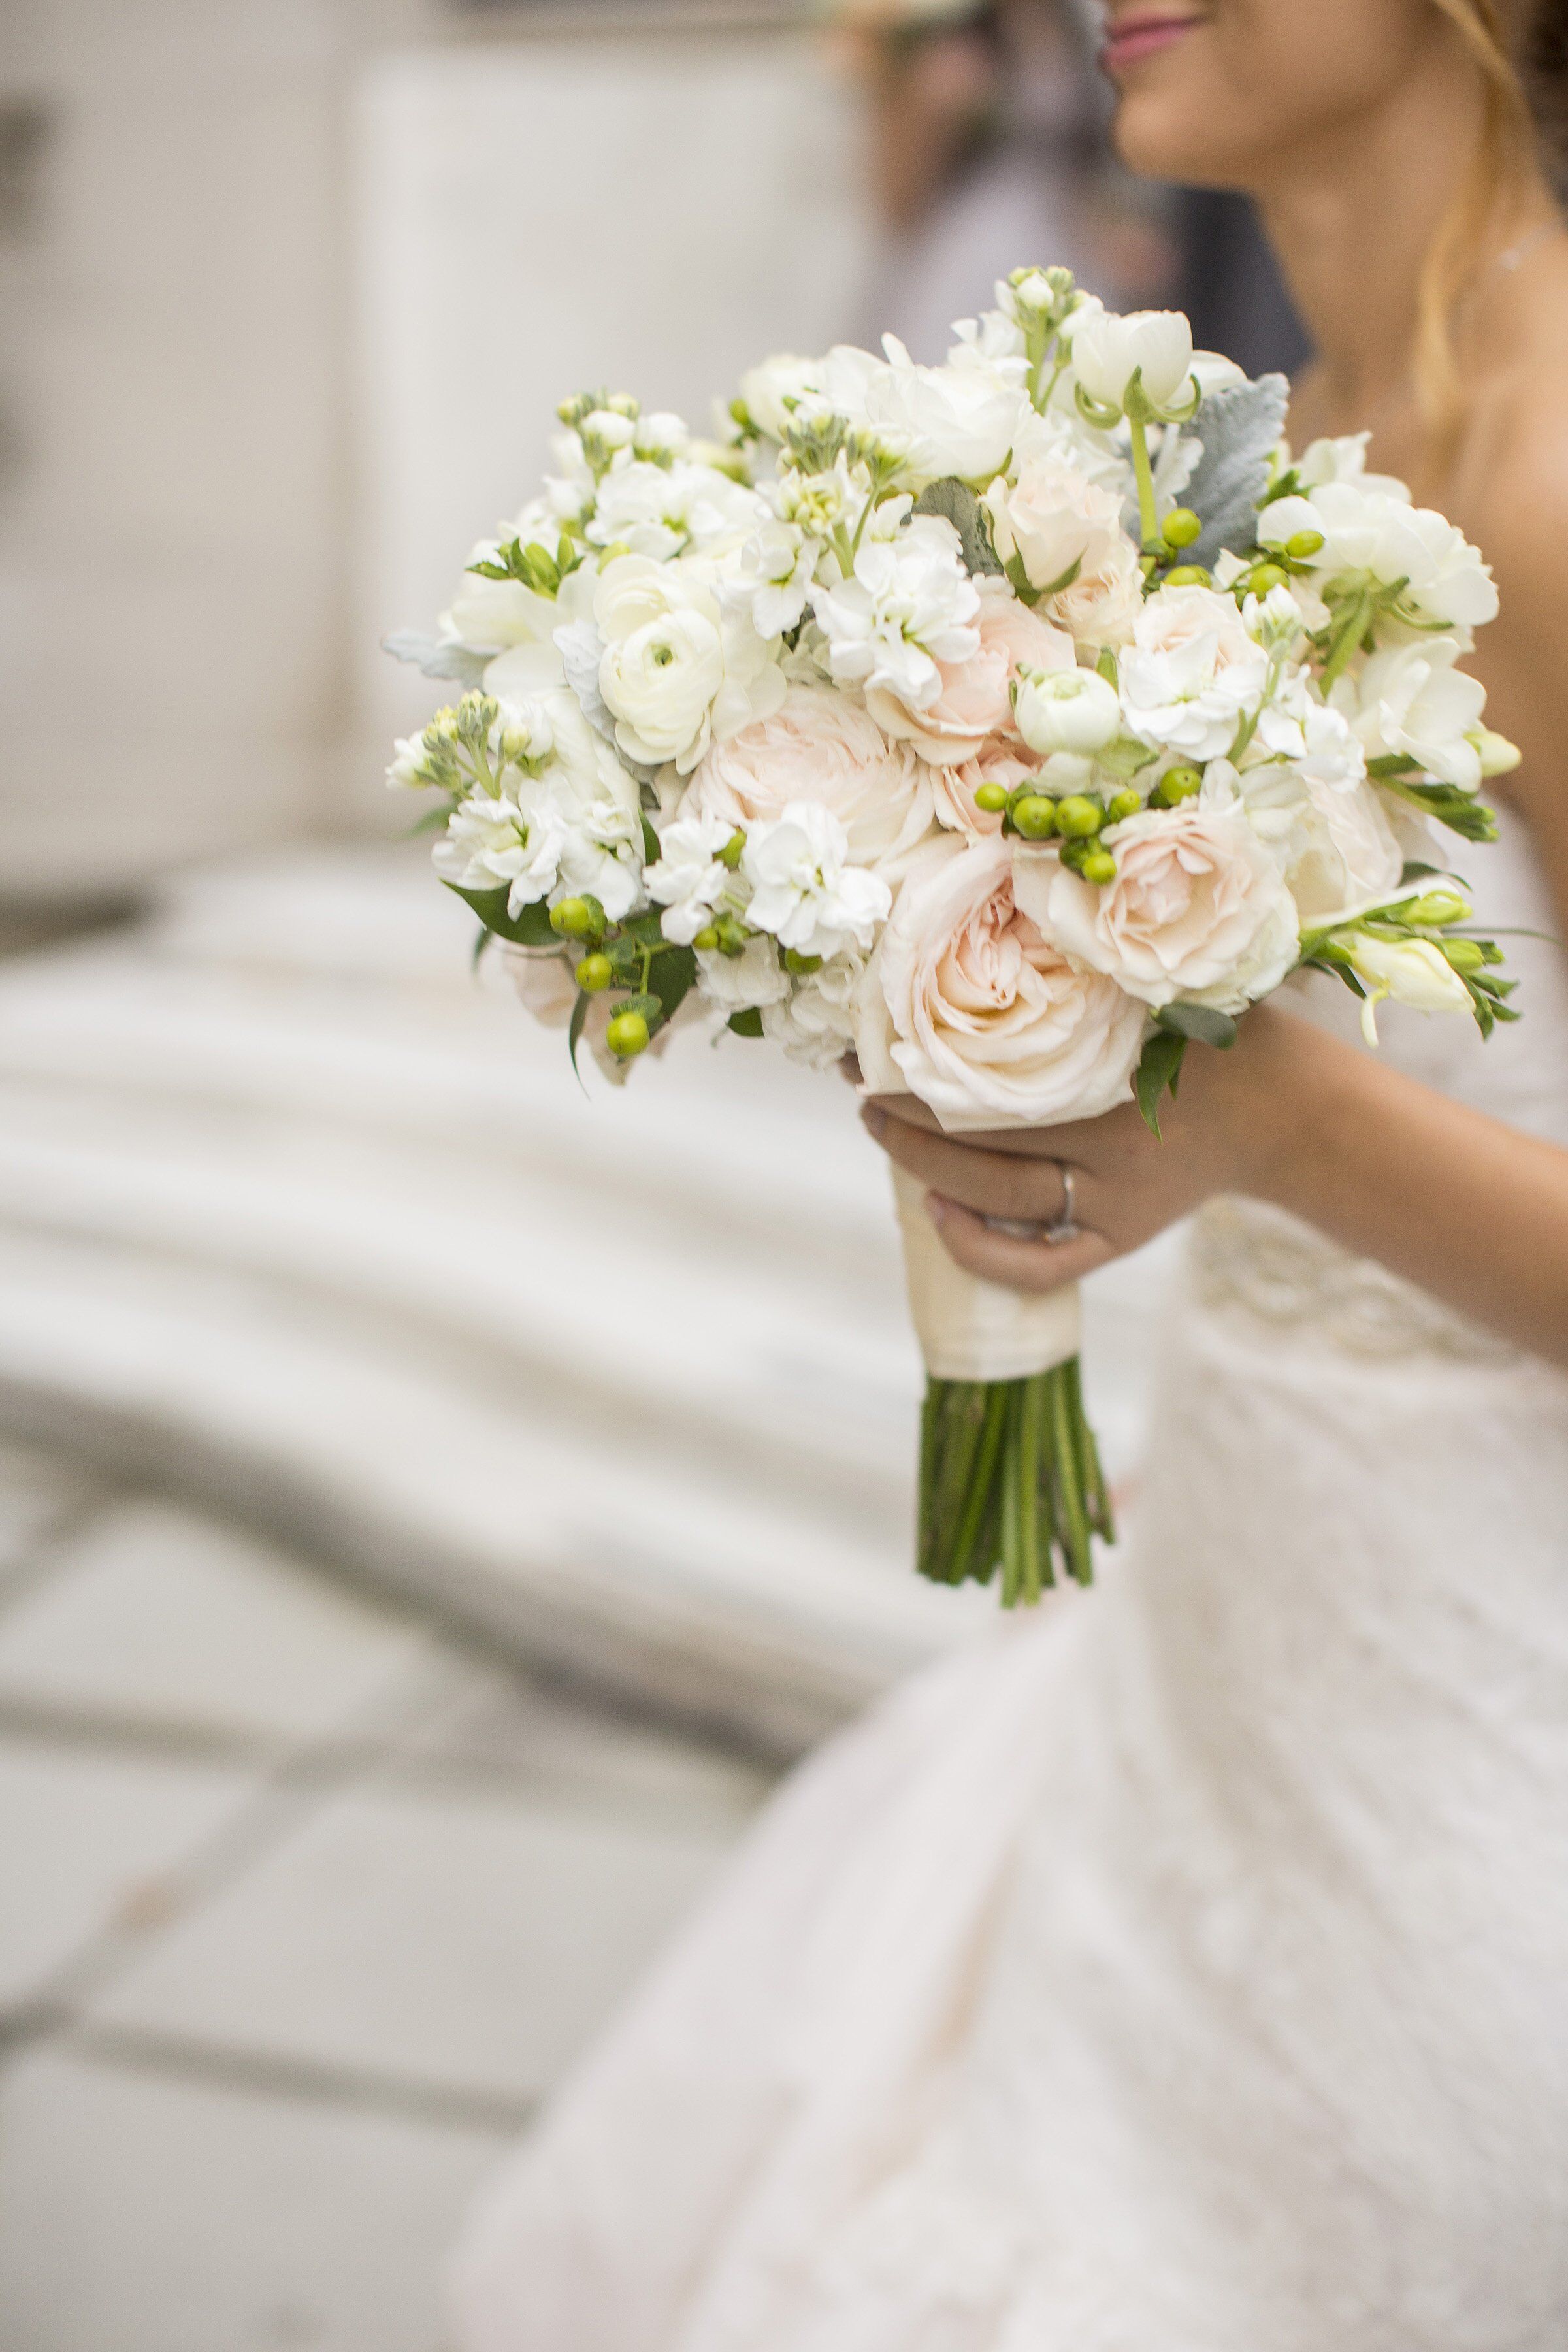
{"points": [[904, 716]]}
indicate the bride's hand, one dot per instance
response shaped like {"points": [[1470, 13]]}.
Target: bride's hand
{"points": [[1229, 1122]]}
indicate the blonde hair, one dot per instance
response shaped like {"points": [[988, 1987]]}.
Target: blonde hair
{"points": [[1505, 158]]}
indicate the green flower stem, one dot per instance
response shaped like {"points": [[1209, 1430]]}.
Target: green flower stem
{"points": [[1010, 1481], [1348, 634], [1143, 474]]}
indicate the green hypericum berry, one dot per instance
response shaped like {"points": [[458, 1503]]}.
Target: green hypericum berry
{"points": [[992, 798], [1465, 955], [1187, 575], [577, 919], [1182, 526], [707, 938], [1304, 543], [1098, 866], [594, 972], [1122, 805], [1267, 576], [1177, 785], [1078, 816], [626, 1035], [1035, 816]]}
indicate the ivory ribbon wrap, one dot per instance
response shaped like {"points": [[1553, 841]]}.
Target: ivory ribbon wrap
{"points": [[974, 1330]]}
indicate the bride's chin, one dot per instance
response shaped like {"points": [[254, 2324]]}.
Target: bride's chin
{"points": [[1161, 137]]}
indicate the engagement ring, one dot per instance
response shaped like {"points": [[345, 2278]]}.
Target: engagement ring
{"points": [[1063, 1227]]}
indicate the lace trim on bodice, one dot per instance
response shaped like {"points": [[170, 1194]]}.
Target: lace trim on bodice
{"points": [[1245, 1255]]}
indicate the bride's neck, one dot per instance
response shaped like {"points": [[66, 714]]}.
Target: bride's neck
{"points": [[1352, 218]]}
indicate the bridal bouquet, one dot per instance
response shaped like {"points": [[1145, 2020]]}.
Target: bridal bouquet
{"points": [[1013, 725]]}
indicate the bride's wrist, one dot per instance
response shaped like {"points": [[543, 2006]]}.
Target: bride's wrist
{"points": [[1276, 1096]]}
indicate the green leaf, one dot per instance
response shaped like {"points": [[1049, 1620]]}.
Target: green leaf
{"points": [[1160, 1067], [671, 975], [1414, 870], [957, 504], [1023, 587], [528, 928], [481, 941], [1460, 812], [746, 1025], [574, 1029], [433, 820], [650, 849], [1200, 1021]]}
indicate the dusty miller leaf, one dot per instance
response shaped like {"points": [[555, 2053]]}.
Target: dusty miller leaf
{"points": [[436, 659], [957, 504], [1239, 428]]}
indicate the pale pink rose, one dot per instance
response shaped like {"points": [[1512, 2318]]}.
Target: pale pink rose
{"points": [[1198, 908], [1102, 605], [1052, 517], [1001, 759], [819, 746], [969, 1006], [975, 701]]}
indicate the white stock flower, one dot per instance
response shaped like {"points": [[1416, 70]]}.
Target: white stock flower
{"points": [[947, 420], [804, 891], [819, 746], [975, 701], [1108, 349], [690, 880], [663, 511], [772, 391], [740, 983], [677, 668], [1190, 673], [1413, 972], [815, 1023], [1056, 522], [1198, 910], [1067, 710], [910, 604], [1369, 535], [971, 1005], [488, 843], [778, 564], [1409, 702]]}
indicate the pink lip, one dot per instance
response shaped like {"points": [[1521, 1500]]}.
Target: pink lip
{"points": [[1136, 38]]}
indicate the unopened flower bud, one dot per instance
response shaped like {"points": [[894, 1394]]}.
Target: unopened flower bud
{"points": [[735, 849], [796, 962], [1499, 756], [1465, 955], [1435, 906], [1066, 710]]}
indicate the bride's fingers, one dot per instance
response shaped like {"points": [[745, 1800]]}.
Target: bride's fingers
{"points": [[1016, 1265], [991, 1183]]}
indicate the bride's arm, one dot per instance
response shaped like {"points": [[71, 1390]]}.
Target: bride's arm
{"points": [[1471, 1210]]}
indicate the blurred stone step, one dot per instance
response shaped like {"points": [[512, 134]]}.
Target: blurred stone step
{"points": [[727, 1602]]}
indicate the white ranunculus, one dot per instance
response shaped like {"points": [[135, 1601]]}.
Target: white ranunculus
{"points": [[1198, 910], [910, 604], [1370, 535], [805, 892], [1067, 710], [948, 420], [663, 511], [1411, 701], [1108, 351], [1054, 521], [971, 1006], [678, 667], [816, 1022], [1190, 673], [819, 746], [1215, 373], [1325, 826], [740, 983], [1413, 972]]}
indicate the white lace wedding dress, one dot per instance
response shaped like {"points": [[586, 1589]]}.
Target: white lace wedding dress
{"points": [[1186, 1970]]}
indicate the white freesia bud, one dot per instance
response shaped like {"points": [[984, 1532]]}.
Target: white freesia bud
{"points": [[1067, 711], [1498, 757], [605, 425], [1108, 351], [1412, 971]]}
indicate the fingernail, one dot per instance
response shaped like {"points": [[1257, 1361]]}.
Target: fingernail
{"points": [[876, 1120], [936, 1210]]}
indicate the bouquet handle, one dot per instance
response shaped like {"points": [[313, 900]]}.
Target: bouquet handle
{"points": [[1010, 1475]]}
